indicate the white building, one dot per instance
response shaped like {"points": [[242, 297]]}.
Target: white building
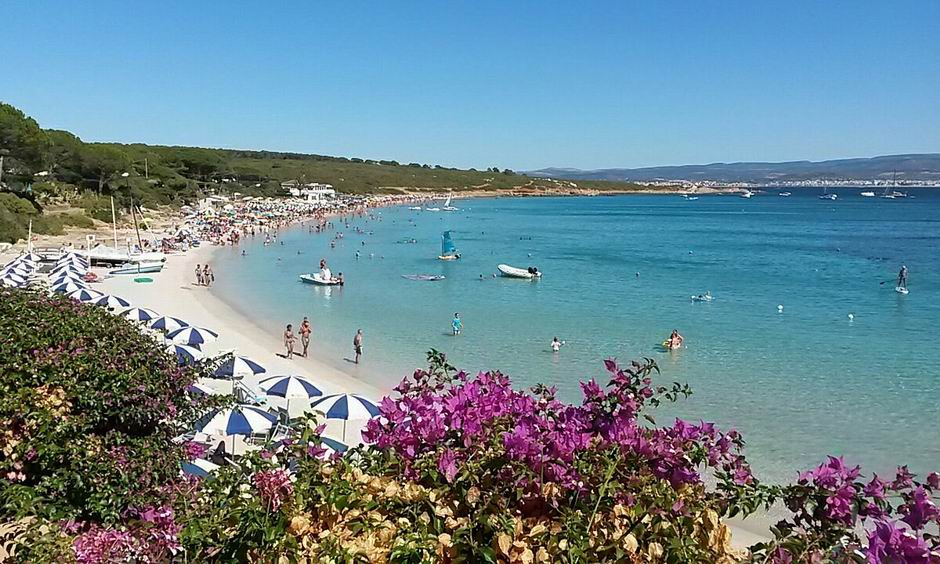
{"points": [[312, 192]]}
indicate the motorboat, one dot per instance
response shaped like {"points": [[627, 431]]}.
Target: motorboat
{"points": [[747, 194], [868, 194], [513, 272], [142, 267], [785, 194], [415, 208], [319, 280], [432, 209]]}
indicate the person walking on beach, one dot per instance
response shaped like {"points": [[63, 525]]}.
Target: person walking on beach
{"points": [[198, 275], [207, 276], [305, 331], [357, 345], [289, 340], [457, 324], [902, 277]]}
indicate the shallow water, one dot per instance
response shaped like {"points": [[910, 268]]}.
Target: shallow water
{"points": [[799, 384]]}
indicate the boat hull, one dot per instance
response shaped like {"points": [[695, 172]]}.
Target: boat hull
{"points": [[318, 280], [513, 272]]}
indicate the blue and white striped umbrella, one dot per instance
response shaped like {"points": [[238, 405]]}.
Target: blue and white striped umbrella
{"points": [[70, 268], [32, 257], [332, 445], [200, 390], [17, 269], [66, 277], [346, 407], [193, 335], [85, 295], [69, 265], [68, 287], [238, 366], [140, 314], [289, 387], [237, 420], [167, 323], [72, 258], [13, 277], [10, 282], [185, 354], [112, 302], [22, 260], [199, 467]]}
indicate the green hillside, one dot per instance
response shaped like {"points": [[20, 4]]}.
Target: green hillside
{"points": [[44, 167]]}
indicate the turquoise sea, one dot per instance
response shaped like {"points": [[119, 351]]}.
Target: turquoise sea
{"points": [[799, 384]]}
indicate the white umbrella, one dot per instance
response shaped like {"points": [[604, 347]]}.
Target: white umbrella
{"points": [[85, 295], [193, 335], [112, 302], [345, 407], [238, 366], [168, 323], [139, 314], [68, 287]]}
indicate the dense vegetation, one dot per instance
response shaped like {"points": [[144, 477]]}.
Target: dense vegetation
{"points": [[47, 167], [458, 468]]}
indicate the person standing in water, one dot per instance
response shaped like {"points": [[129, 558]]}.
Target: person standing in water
{"points": [[902, 277], [305, 331], [289, 341], [357, 345], [457, 324], [556, 344]]}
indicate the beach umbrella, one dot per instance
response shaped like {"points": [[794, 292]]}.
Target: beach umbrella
{"points": [[192, 336], [112, 302], [68, 287], [10, 282], [199, 467], [200, 390], [333, 446], [289, 387], [237, 420], [139, 314], [17, 269], [64, 277], [31, 256], [238, 366], [14, 277], [70, 263], [185, 354], [67, 266], [85, 295], [345, 407], [168, 323]]}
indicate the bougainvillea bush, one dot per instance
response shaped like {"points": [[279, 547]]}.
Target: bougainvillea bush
{"points": [[458, 468]]}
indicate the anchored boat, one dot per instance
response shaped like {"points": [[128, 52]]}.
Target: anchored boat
{"points": [[513, 272]]}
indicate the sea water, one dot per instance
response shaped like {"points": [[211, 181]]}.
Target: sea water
{"points": [[847, 366]]}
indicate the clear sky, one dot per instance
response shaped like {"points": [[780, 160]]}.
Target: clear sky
{"points": [[476, 83]]}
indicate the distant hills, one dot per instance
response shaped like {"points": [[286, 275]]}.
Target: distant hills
{"points": [[914, 167]]}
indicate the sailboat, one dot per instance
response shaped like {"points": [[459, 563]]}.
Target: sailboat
{"points": [[447, 206], [448, 249], [827, 196], [894, 193]]}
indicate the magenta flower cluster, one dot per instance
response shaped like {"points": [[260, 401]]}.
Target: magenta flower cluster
{"points": [[897, 514], [274, 487], [152, 536], [541, 437]]}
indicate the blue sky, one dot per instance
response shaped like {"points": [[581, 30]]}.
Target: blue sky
{"points": [[510, 84]]}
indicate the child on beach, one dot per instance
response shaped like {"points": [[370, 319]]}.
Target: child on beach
{"points": [[457, 323], [357, 345], [305, 331], [198, 275], [289, 340]]}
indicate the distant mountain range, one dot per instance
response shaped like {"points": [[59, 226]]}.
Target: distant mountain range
{"points": [[920, 167]]}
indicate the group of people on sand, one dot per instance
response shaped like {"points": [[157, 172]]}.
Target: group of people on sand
{"points": [[204, 275]]}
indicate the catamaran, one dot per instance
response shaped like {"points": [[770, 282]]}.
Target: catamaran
{"points": [[448, 248]]}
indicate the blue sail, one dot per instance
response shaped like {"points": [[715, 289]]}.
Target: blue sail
{"points": [[447, 244]]}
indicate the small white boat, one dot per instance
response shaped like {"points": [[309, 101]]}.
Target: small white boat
{"points": [[432, 209], [144, 267], [747, 194], [784, 194], [415, 208], [691, 198], [707, 297], [827, 196], [448, 207], [868, 194], [319, 280], [513, 272]]}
